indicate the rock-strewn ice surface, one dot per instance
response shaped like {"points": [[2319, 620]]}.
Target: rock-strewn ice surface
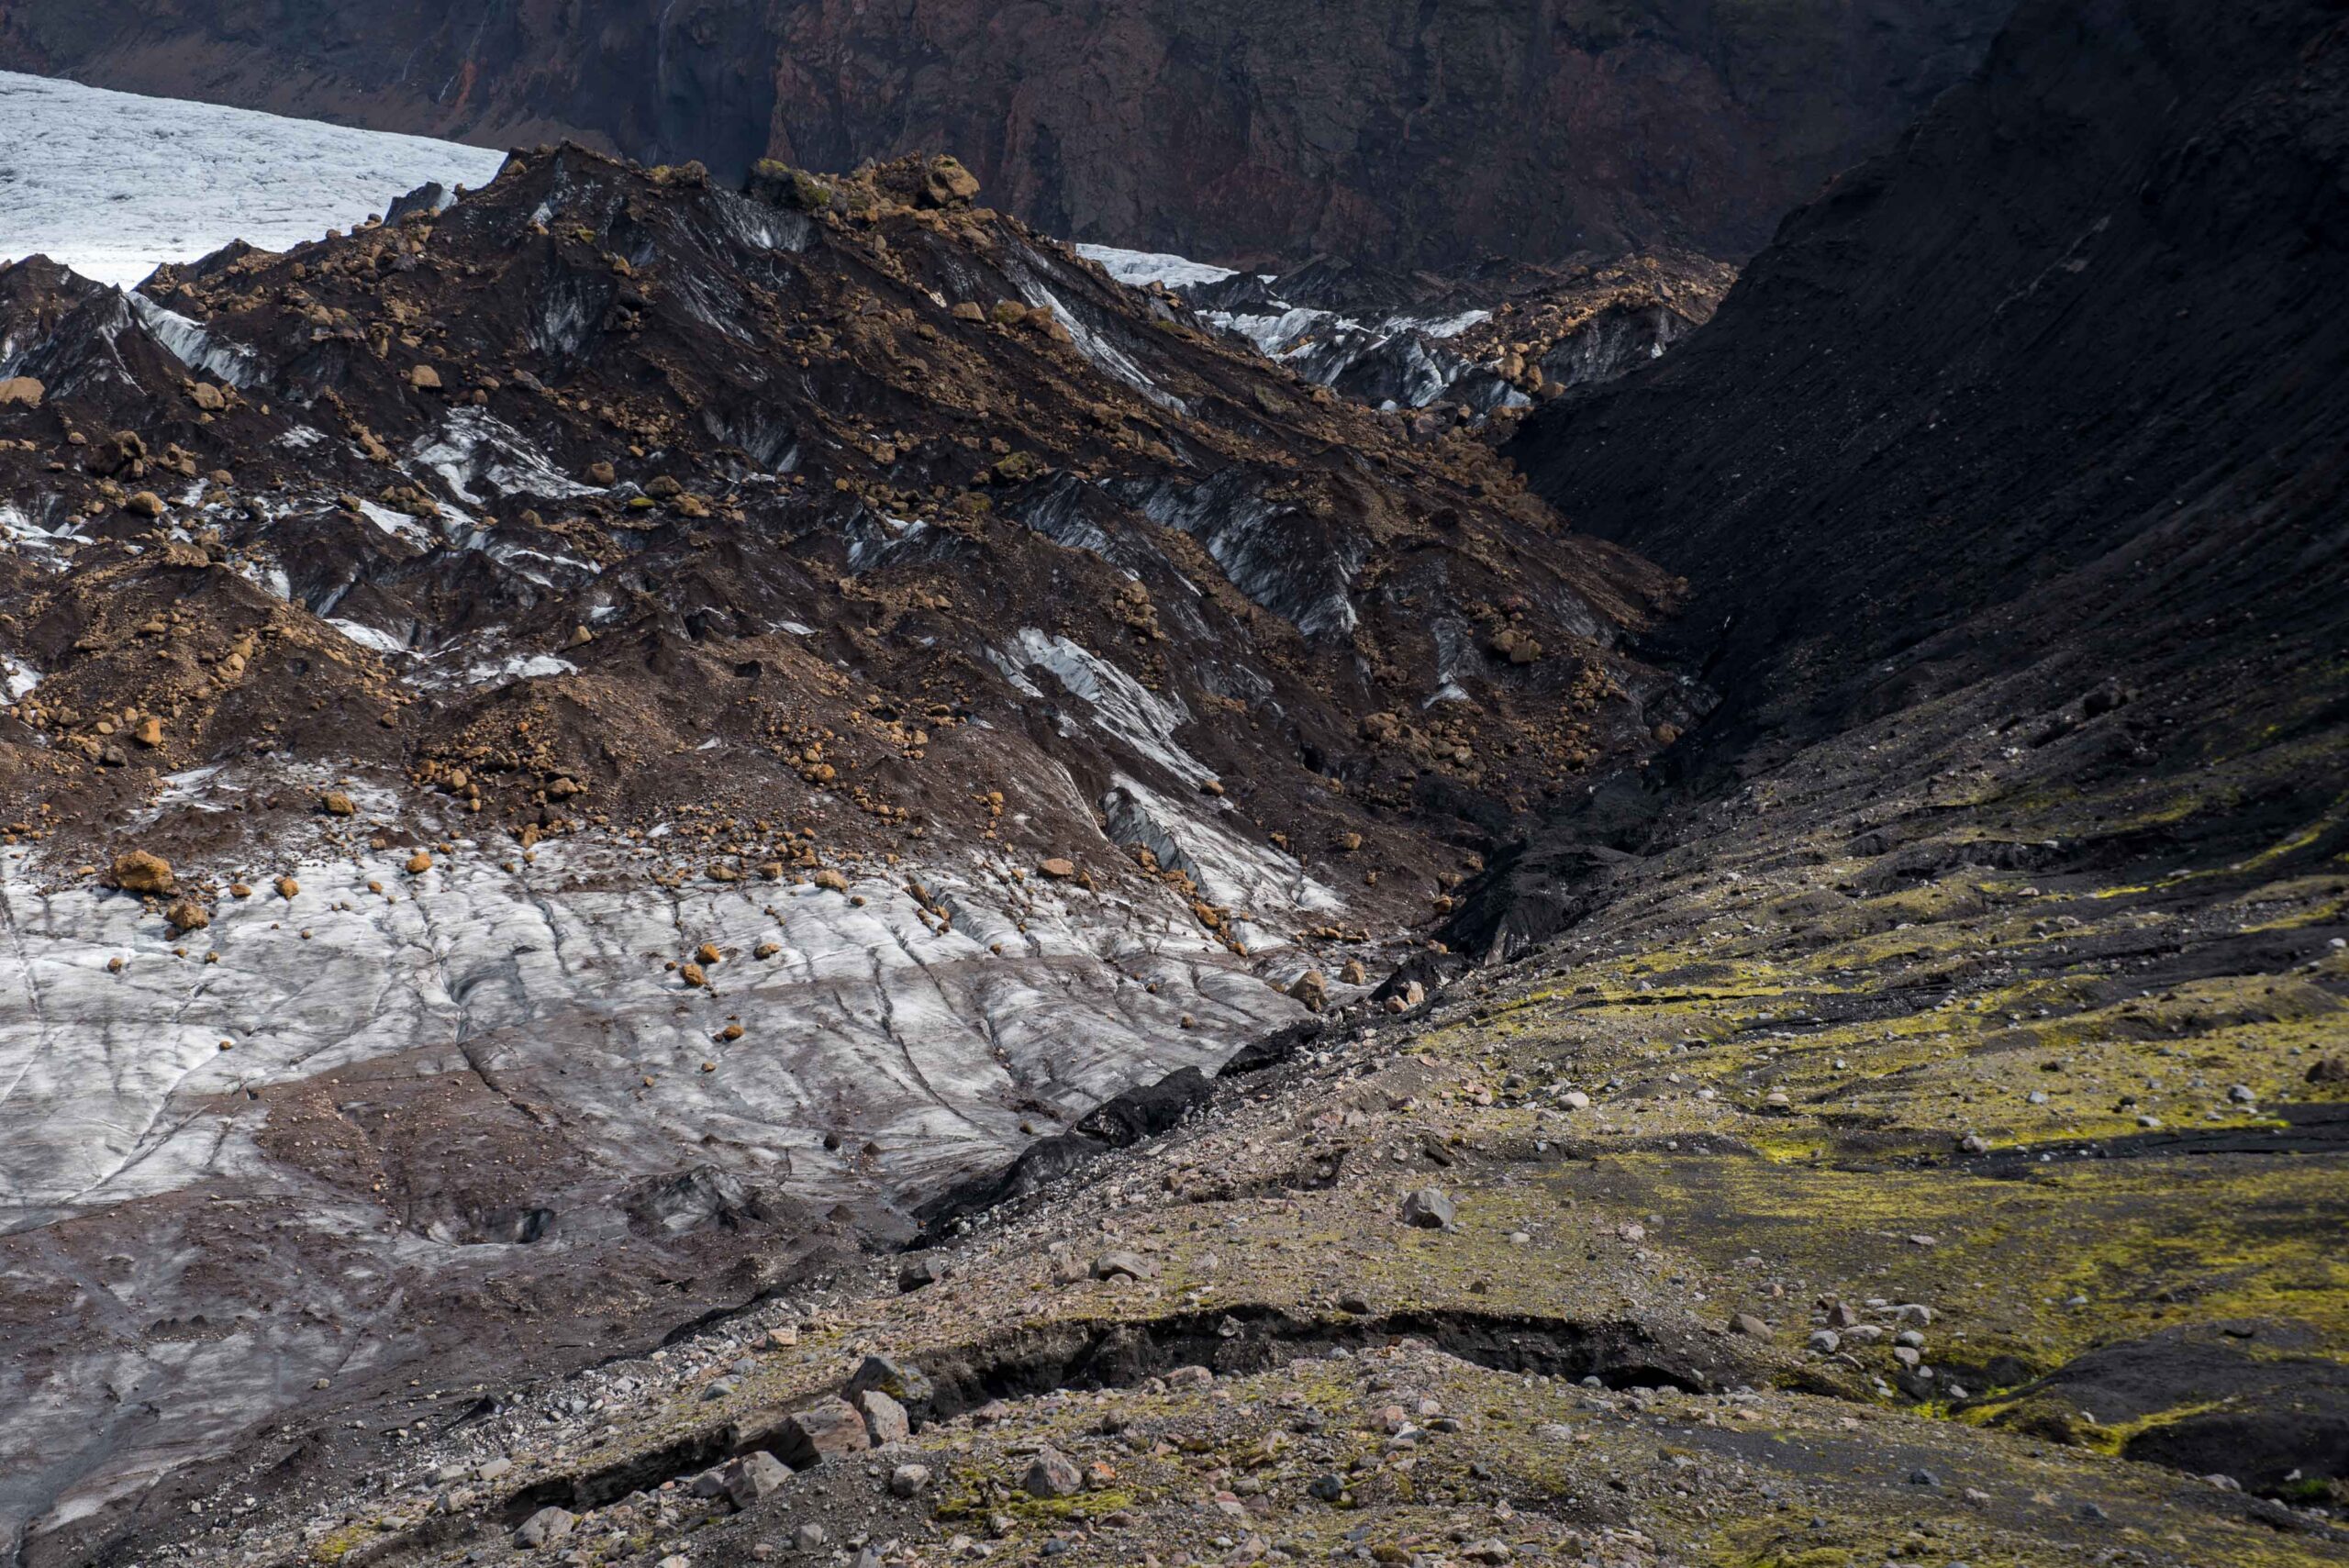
{"points": [[535, 1022]]}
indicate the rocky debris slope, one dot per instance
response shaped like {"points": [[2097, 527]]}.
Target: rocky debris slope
{"points": [[573, 751], [1910, 1130], [1488, 338], [1380, 132], [1799, 1208]]}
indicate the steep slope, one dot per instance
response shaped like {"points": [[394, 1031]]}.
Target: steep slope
{"points": [[578, 750], [2061, 376], [1924, 1139], [1489, 339], [1228, 130]]}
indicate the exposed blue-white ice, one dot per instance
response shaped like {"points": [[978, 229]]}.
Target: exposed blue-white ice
{"points": [[113, 184]]}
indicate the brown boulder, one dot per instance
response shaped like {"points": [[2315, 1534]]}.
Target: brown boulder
{"points": [[21, 392], [137, 871], [947, 183], [1514, 646]]}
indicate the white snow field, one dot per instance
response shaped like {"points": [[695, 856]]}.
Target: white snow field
{"points": [[1135, 268], [113, 185]]}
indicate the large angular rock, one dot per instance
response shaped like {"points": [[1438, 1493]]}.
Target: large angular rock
{"points": [[545, 1527], [825, 1429], [1429, 1208], [754, 1476], [1053, 1474], [884, 1419], [901, 1381]]}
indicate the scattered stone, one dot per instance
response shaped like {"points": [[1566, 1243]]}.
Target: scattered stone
{"points": [[137, 871], [21, 392], [1311, 989], [545, 1527], [908, 1480], [1053, 1474], [920, 1272], [1750, 1326], [1132, 1265], [1058, 869], [825, 1430], [754, 1476], [906, 1383], [334, 803], [1429, 1208], [884, 1419]]}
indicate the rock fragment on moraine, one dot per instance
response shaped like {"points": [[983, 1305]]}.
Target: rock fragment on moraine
{"points": [[1052, 1474], [1429, 1208], [825, 1430]]}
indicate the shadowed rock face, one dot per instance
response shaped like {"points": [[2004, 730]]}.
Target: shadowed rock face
{"points": [[2060, 373], [1225, 128]]}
